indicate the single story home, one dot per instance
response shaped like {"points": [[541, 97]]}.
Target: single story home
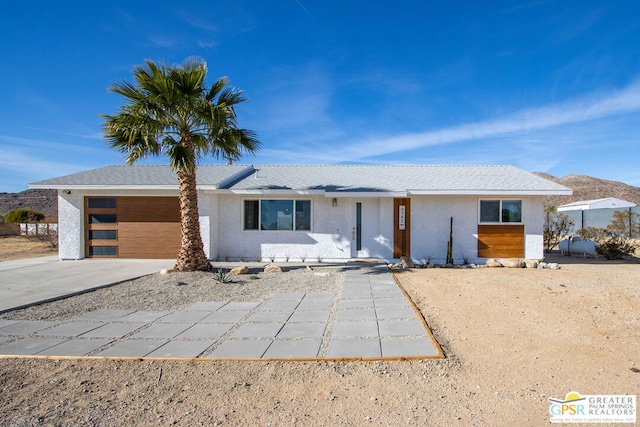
{"points": [[307, 212], [606, 203]]}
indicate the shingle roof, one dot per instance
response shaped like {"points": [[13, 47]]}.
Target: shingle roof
{"points": [[412, 179], [147, 176]]}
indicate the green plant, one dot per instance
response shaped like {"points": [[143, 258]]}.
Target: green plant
{"points": [[169, 110], [221, 275], [253, 277], [556, 226], [450, 244], [18, 216]]}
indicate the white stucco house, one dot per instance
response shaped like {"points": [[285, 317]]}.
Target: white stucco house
{"points": [[307, 212]]}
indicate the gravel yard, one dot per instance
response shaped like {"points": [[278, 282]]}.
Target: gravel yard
{"points": [[512, 337]]}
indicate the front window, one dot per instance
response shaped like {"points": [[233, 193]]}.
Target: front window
{"points": [[501, 211], [277, 215]]}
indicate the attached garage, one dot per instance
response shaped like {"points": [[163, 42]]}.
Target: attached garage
{"points": [[132, 227]]}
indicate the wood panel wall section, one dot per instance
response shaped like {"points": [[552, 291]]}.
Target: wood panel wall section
{"points": [[401, 238], [147, 227], [501, 241]]}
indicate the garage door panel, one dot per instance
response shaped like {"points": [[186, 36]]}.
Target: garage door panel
{"points": [[137, 227], [500, 241], [148, 209], [148, 240]]}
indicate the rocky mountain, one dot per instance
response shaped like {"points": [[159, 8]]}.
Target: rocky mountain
{"points": [[589, 188], [45, 201]]}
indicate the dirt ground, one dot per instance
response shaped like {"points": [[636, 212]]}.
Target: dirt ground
{"points": [[19, 247], [512, 337]]}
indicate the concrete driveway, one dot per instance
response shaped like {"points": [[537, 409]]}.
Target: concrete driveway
{"points": [[27, 281]]}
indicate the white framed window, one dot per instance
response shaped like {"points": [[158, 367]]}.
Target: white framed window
{"points": [[277, 214], [500, 211]]}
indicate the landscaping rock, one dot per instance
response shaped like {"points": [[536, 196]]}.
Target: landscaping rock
{"points": [[511, 263], [493, 263], [406, 262], [272, 268], [239, 270], [309, 268], [530, 263]]}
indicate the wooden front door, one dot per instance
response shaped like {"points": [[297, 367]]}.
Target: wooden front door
{"points": [[401, 227]]}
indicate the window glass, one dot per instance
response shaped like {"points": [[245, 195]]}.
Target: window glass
{"points": [[511, 211], [103, 251], [303, 215], [101, 202], [103, 235], [102, 218], [250, 214], [490, 211], [276, 214]]}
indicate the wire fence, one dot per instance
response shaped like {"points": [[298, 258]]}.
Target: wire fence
{"points": [[598, 218]]}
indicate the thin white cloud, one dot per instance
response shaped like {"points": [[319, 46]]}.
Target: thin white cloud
{"points": [[580, 110]]}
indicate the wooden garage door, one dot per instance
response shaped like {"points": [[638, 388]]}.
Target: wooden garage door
{"points": [[501, 241], [132, 227]]}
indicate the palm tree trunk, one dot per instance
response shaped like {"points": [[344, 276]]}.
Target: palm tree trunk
{"points": [[191, 256]]}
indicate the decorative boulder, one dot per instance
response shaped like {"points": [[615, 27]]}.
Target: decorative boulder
{"points": [[531, 263], [492, 263], [272, 268], [406, 262], [512, 263], [239, 270]]}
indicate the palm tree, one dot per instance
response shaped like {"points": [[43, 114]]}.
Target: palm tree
{"points": [[169, 110]]}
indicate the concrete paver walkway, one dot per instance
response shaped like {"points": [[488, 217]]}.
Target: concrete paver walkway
{"points": [[369, 319]]}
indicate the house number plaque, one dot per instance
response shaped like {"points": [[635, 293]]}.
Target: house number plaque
{"points": [[401, 217]]}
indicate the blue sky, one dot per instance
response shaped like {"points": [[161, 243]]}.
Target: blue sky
{"points": [[551, 86]]}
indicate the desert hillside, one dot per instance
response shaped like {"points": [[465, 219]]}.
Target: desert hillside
{"points": [[45, 201], [589, 188]]}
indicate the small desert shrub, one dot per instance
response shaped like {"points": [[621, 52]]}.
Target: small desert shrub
{"points": [[253, 277], [221, 275], [23, 215]]}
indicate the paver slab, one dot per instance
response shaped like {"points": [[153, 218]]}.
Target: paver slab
{"points": [[184, 317], [182, 349], [257, 330], [319, 296], [113, 330], [132, 348], [225, 316], [288, 297], [399, 327], [163, 330], [411, 346], [206, 330], [4, 322], [279, 306], [76, 347], [143, 316], [365, 328], [302, 330], [294, 349], [241, 305], [270, 316], [26, 327], [206, 305], [384, 313], [354, 347], [241, 349], [391, 302], [310, 316], [105, 315], [356, 314], [315, 305], [29, 346], [356, 303], [71, 329]]}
